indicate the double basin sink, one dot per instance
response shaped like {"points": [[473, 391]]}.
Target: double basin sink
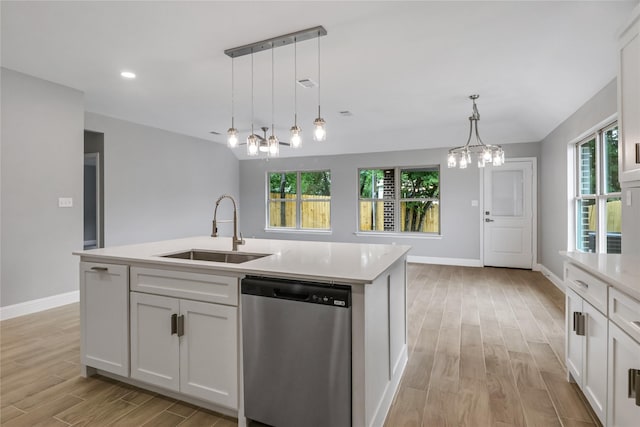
{"points": [[216, 256]]}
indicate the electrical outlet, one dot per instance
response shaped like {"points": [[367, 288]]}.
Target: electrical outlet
{"points": [[65, 202], [628, 197]]}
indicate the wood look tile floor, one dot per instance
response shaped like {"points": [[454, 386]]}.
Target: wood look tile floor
{"points": [[486, 348]]}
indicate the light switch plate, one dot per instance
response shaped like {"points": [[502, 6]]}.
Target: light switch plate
{"points": [[65, 202], [474, 203], [628, 197]]}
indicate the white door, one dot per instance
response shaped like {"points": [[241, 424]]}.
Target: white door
{"points": [[209, 352], [155, 350], [508, 215]]}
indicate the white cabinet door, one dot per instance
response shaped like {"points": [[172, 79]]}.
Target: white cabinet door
{"points": [[624, 354], [594, 373], [629, 99], [209, 352], [104, 313], [574, 341], [155, 353]]}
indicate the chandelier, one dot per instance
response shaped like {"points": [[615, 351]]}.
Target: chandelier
{"points": [[271, 145], [484, 153]]}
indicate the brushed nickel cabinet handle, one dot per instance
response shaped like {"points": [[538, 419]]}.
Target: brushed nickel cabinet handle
{"points": [[180, 325], [581, 326], [634, 385], [582, 284], [174, 324], [99, 269], [576, 316]]}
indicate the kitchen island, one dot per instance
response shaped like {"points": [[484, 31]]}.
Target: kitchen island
{"points": [[154, 317]]}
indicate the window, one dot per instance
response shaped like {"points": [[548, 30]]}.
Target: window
{"points": [[399, 200], [299, 200], [598, 196]]}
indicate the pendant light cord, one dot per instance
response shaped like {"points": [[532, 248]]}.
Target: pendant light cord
{"points": [[251, 91], [232, 93], [319, 74], [273, 103], [295, 81]]}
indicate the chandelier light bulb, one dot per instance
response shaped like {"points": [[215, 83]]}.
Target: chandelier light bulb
{"points": [[232, 137], [481, 161], [463, 162], [296, 138], [252, 145], [487, 156], [274, 146], [319, 131], [451, 161]]}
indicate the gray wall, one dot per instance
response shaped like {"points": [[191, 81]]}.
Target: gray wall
{"points": [[42, 158], [553, 190], [460, 222], [160, 185]]}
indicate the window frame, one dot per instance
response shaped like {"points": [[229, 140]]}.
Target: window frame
{"points": [[601, 195], [298, 201], [398, 200]]}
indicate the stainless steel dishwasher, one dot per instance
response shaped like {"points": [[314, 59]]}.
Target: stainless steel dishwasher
{"points": [[296, 339]]}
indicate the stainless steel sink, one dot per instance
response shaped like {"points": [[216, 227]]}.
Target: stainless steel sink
{"points": [[216, 256]]}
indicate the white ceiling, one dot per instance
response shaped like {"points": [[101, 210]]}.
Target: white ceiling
{"points": [[404, 69]]}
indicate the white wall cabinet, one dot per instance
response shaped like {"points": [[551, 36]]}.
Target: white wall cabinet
{"points": [[104, 317], [587, 350], [629, 99], [185, 346]]}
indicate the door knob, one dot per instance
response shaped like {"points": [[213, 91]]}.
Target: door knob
{"points": [[488, 220]]}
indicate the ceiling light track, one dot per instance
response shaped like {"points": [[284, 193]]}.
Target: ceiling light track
{"points": [[287, 39]]}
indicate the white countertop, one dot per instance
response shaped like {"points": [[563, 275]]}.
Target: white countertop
{"points": [[350, 263], [620, 271]]}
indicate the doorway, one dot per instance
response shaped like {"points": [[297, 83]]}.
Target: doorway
{"points": [[509, 214], [93, 190]]}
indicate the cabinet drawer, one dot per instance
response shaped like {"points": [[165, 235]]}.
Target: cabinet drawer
{"points": [[182, 284], [587, 286], [625, 312]]}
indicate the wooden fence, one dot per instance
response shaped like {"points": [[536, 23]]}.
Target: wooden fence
{"points": [[316, 214], [614, 216], [431, 223]]}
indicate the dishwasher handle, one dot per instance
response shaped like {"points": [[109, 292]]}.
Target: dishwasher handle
{"points": [[291, 294]]}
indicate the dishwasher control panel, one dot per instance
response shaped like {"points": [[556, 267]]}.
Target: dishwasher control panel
{"points": [[308, 292]]}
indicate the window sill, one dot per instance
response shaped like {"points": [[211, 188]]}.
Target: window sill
{"points": [[297, 231], [395, 235]]}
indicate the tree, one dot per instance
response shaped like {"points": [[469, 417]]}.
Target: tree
{"points": [[418, 184]]}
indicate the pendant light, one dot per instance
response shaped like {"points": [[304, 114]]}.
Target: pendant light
{"points": [[272, 142], [252, 139], [296, 137], [232, 133], [319, 131], [485, 153]]}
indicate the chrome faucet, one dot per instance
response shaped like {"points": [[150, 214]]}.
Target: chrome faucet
{"points": [[214, 233]]}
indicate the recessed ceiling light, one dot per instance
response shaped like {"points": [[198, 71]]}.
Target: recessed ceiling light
{"points": [[128, 75]]}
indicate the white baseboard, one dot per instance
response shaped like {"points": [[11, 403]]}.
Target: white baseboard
{"points": [[462, 262], [37, 305], [552, 277]]}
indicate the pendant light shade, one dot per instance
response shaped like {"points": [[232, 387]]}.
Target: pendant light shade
{"points": [[319, 130], [232, 133], [484, 153]]}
